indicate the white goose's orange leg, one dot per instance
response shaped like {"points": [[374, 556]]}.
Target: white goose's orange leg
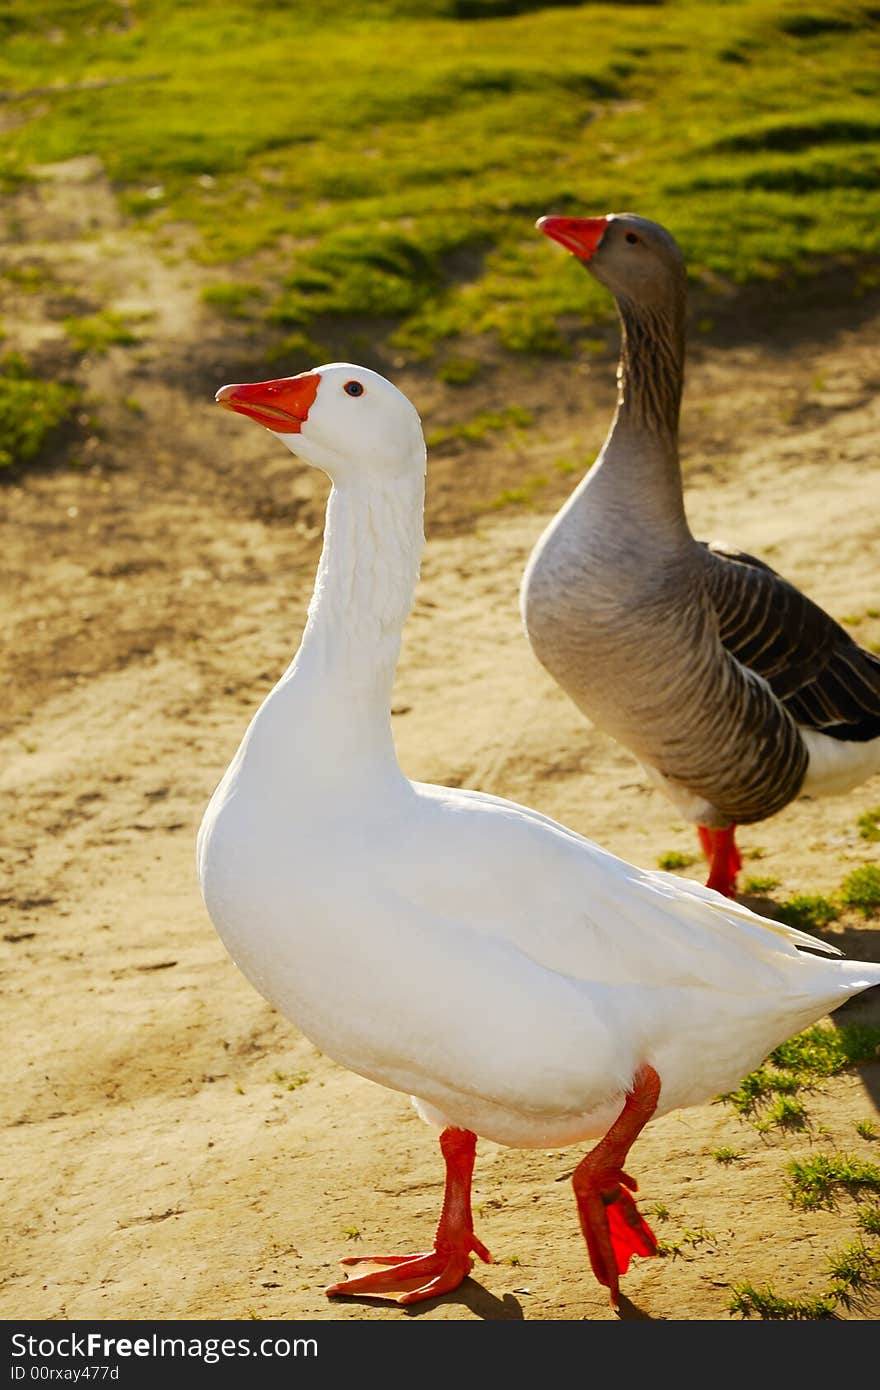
{"points": [[611, 1222], [444, 1267]]}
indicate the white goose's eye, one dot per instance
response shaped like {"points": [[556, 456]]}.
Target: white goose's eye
{"points": [[353, 388]]}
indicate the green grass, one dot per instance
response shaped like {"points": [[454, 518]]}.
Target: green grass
{"points": [[660, 1211], [861, 890], [30, 409], [868, 1219], [673, 859], [482, 426], [770, 1092], [385, 160], [30, 277], [869, 824], [522, 496], [766, 1303], [807, 911], [764, 884], [816, 1180], [291, 1083], [853, 1272], [459, 371], [233, 299], [701, 1236], [824, 1050], [726, 1155], [96, 333], [786, 1112]]}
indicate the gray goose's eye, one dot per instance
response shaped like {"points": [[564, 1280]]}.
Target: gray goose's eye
{"points": [[631, 238]]}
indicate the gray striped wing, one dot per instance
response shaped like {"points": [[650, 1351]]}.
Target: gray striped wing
{"points": [[822, 677]]}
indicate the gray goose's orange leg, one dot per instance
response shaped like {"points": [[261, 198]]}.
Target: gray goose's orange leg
{"points": [[444, 1267], [610, 1220], [719, 847]]}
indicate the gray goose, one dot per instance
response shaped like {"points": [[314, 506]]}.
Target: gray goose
{"points": [[733, 689]]}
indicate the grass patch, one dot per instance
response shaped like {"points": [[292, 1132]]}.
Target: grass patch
{"points": [[869, 824], [816, 1180], [758, 1087], [232, 299], [522, 496], [766, 1303], [458, 371], [824, 1050], [97, 333], [291, 1083], [688, 1238], [770, 1092], [853, 1271], [397, 174], [861, 890], [868, 1219], [30, 410], [30, 277], [478, 429], [726, 1155], [786, 1112], [760, 885], [674, 859], [807, 911]]}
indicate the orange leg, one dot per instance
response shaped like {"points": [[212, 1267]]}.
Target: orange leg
{"points": [[444, 1267], [719, 847], [611, 1222]]}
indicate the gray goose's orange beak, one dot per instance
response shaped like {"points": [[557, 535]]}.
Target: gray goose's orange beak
{"points": [[282, 406], [580, 235]]}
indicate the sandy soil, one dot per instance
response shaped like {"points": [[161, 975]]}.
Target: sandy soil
{"points": [[173, 1147]]}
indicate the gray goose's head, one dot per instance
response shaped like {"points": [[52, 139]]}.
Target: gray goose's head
{"points": [[637, 260]]}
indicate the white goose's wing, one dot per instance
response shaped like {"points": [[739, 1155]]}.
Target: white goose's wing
{"points": [[512, 965], [506, 871]]}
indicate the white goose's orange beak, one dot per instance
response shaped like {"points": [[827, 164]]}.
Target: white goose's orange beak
{"points": [[282, 406], [580, 235]]}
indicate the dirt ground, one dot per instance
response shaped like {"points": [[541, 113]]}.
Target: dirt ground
{"points": [[174, 1148]]}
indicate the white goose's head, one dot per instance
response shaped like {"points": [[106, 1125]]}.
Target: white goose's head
{"points": [[346, 420], [636, 259]]}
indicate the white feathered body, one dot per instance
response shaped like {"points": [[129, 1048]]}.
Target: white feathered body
{"points": [[507, 973]]}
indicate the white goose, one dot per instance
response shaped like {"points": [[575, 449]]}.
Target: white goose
{"points": [[516, 980], [733, 689]]}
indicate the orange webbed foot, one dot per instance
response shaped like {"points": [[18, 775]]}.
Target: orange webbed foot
{"points": [[439, 1271]]}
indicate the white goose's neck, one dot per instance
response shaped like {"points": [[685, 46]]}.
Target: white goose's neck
{"points": [[369, 567], [329, 717]]}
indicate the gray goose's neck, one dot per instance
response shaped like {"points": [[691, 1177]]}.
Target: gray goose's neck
{"points": [[636, 480], [650, 376]]}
